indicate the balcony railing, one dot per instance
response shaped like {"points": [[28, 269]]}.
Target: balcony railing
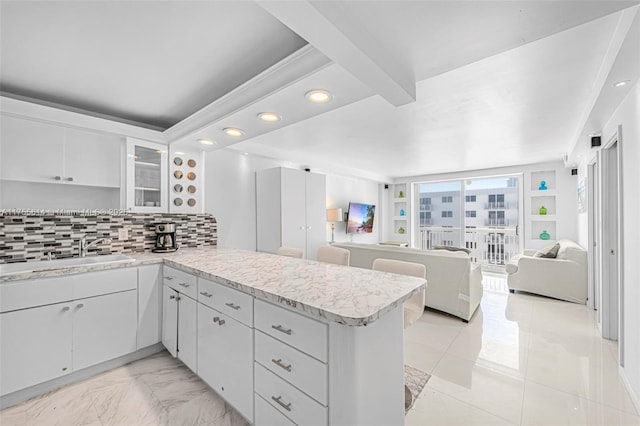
{"points": [[489, 246], [496, 222], [426, 207]]}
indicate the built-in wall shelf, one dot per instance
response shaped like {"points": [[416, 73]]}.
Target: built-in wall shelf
{"points": [[400, 211], [400, 218], [400, 200], [537, 198]]}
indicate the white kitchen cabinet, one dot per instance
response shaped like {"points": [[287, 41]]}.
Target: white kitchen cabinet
{"points": [[147, 176], [32, 151], [149, 305], [291, 210], [179, 326], [104, 327], [35, 347], [188, 332], [170, 320], [225, 357]]}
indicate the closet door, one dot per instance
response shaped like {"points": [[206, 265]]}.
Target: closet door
{"points": [[293, 211]]}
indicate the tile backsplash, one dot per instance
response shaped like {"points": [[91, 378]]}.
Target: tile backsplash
{"points": [[25, 237]]}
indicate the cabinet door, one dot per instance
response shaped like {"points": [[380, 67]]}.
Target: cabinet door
{"points": [[104, 327], [147, 176], [31, 151], [316, 213], [36, 346], [92, 158], [187, 332], [149, 305], [225, 358], [170, 320], [293, 211]]}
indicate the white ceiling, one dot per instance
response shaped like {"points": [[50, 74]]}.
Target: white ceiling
{"points": [[154, 63], [495, 83]]}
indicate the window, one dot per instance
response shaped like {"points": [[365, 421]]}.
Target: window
{"points": [[425, 200], [470, 213], [448, 199], [447, 213], [470, 199], [425, 215], [425, 219]]}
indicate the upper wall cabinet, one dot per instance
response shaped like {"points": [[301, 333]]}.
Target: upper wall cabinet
{"points": [[32, 151], [146, 176]]}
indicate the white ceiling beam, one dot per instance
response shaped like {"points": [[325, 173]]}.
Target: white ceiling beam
{"points": [[347, 43]]}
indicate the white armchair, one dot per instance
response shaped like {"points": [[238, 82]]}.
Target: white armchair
{"points": [[563, 277]]}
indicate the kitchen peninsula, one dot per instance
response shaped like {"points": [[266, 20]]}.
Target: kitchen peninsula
{"points": [[283, 340]]}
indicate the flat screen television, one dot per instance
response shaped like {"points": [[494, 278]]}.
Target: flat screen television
{"points": [[360, 218]]}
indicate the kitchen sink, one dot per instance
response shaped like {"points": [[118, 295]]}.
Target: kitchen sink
{"points": [[48, 265]]}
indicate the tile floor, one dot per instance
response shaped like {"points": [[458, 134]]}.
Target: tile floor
{"points": [[521, 360]]}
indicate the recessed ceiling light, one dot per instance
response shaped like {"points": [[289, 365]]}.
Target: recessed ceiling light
{"points": [[179, 153], [621, 83], [206, 142], [246, 153], [319, 96], [269, 117], [232, 131]]}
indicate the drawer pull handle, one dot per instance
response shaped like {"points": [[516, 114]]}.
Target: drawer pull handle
{"points": [[232, 306], [168, 278], [281, 329], [65, 309], [279, 363], [278, 399], [216, 319], [185, 285], [221, 322], [69, 179], [172, 297], [204, 293], [80, 305], [57, 178]]}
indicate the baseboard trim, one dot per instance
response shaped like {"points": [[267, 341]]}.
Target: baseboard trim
{"points": [[42, 388], [634, 397]]}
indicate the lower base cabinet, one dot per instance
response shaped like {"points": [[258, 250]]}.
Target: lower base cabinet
{"points": [[187, 332], [225, 358], [104, 328], [36, 346]]}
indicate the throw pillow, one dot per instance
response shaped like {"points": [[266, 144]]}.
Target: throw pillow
{"points": [[548, 252], [452, 248]]}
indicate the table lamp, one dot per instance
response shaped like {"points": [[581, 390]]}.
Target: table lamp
{"points": [[333, 216]]}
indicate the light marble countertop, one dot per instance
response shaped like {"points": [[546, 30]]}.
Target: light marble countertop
{"points": [[346, 295]]}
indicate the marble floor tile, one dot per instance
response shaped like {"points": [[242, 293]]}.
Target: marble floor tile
{"points": [[547, 406], [421, 355], [70, 405], [128, 403], [434, 408], [14, 416]]}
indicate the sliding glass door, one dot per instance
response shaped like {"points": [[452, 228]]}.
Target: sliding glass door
{"points": [[480, 214]]}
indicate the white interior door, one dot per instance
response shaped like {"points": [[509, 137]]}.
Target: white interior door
{"points": [[293, 214], [592, 201], [316, 208]]}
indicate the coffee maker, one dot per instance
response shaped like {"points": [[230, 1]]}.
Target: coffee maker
{"points": [[165, 238]]}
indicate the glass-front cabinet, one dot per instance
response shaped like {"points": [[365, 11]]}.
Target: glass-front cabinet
{"points": [[146, 176]]}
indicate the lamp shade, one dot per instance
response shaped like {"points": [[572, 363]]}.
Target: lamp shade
{"points": [[334, 215]]}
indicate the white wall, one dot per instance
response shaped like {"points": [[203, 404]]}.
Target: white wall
{"points": [[230, 196], [627, 115]]}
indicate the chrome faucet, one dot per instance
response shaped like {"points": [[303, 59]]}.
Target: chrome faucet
{"points": [[83, 247]]}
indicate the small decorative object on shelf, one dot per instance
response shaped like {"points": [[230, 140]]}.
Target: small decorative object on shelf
{"points": [[401, 230], [542, 210], [544, 235], [401, 194], [543, 186], [401, 212]]}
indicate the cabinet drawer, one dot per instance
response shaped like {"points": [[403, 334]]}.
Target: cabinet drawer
{"points": [[297, 368], [236, 304], [30, 293], [306, 334], [288, 400], [180, 281], [266, 415], [104, 282]]}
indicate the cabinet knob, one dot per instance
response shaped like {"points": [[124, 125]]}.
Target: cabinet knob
{"points": [[216, 319], [64, 368], [172, 297], [57, 178], [302, 228], [221, 322], [69, 179], [80, 305], [65, 309]]}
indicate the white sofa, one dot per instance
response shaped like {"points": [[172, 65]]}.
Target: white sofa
{"points": [[563, 277], [454, 284]]}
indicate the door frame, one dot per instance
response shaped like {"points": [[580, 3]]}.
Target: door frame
{"points": [[593, 196]]}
